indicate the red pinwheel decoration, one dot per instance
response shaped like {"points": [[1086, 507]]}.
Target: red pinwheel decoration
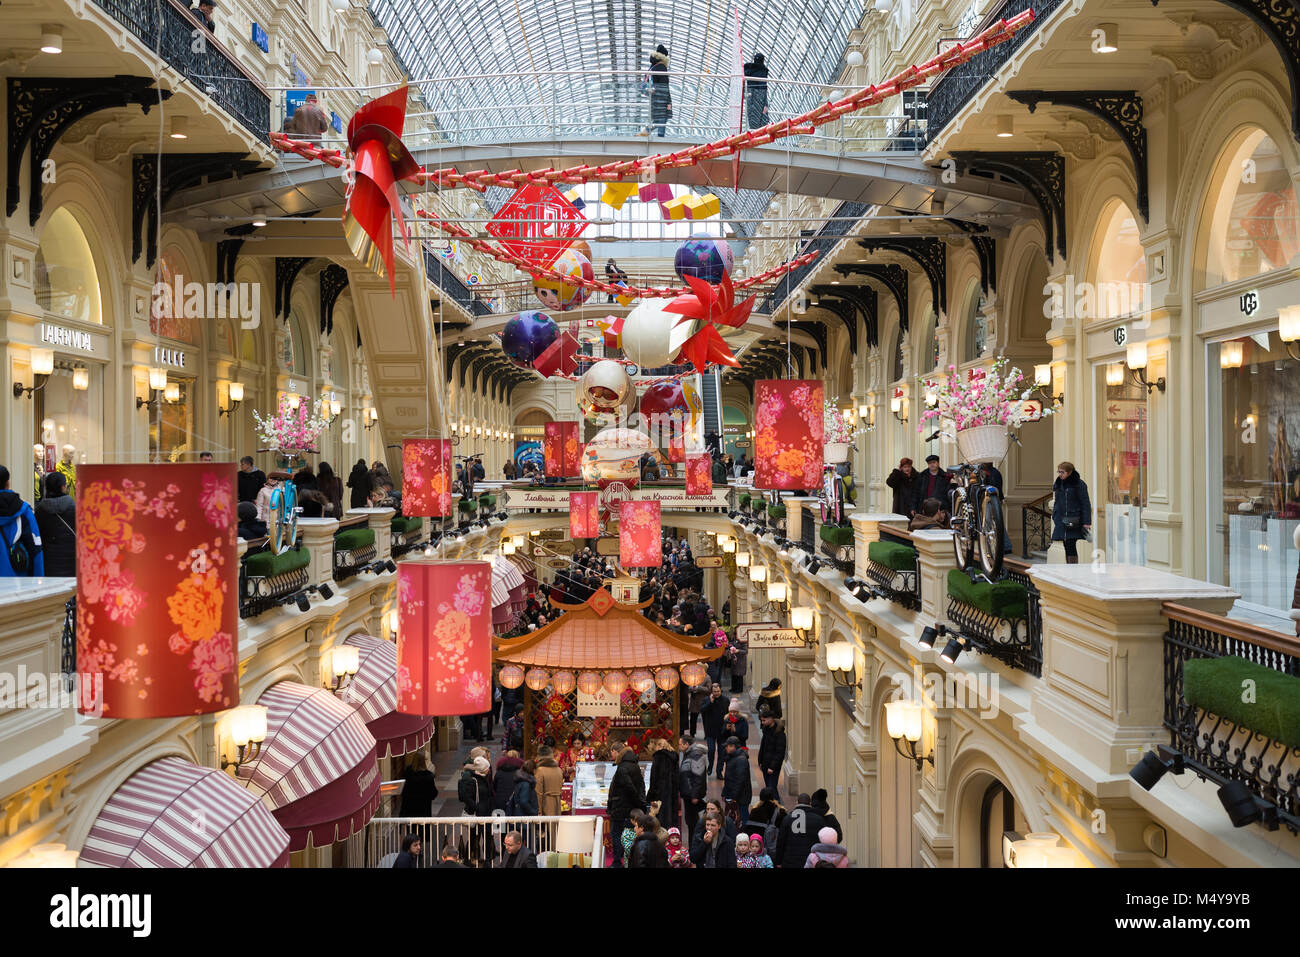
{"points": [[712, 306], [380, 160]]}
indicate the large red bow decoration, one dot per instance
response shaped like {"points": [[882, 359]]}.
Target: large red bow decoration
{"points": [[710, 305], [380, 160]]}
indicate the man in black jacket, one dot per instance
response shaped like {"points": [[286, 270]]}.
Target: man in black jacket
{"points": [[934, 482], [713, 713], [692, 781], [647, 850], [798, 834], [736, 785], [250, 480], [771, 750], [626, 793], [516, 854]]}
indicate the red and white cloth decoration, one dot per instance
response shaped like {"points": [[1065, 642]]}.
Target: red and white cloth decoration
{"points": [[373, 692]]}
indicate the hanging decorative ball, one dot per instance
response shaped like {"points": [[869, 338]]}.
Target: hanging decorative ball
{"points": [[704, 258], [650, 336], [666, 679], [604, 386], [562, 682], [694, 674], [526, 337], [511, 676], [615, 682], [537, 678], [614, 455], [588, 682], [558, 294], [641, 680], [665, 399]]}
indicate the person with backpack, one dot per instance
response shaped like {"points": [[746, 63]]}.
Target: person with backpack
{"points": [[21, 555], [56, 519], [769, 813], [513, 738], [798, 834], [503, 781], [826, 852], [523, 802], [692, 781]]}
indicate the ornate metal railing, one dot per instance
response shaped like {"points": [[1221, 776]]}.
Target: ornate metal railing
{"points": [[453, 286], [1036, 525], [954, 89], [827, 238], [213, 68], [68, 643], [900, 587], [350, 561], [840, 557], [259, 593], [1213, 746], [1017, 642]]}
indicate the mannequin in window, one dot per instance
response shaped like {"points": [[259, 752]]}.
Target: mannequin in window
{"points": [[38, 470], [67, 468]]}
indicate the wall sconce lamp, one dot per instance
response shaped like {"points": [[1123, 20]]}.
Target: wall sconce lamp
{"points": [[742, 559], [246, 728], [801, 620], [42, 369], [1136, 361], [234, 397], [343, 663], [295, 400], [390, 624], [81, 378], [758, 574], [778, 594], [369, 417], [1041, 849], [1288, 329], [903, 723], [897, 405], [931, 395], [157, 383], [172, 393], [842, 664], [1043, 379], [508, 546]]}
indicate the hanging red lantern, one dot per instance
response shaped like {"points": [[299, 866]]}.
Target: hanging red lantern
{"points": [[157, 589], [426, 477], [699, 474], [444, 637], [789, 426], [560, 448], [584, 514], [639, 542]]}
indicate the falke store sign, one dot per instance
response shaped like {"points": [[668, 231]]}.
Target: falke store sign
{"points": [[174, 358]]}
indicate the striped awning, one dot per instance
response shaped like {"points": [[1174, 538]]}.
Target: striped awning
{"points": [[316, 770], [508, 589], [373, 692], [172, 813]]}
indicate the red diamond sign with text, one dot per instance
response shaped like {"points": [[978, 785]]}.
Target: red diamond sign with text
{"points": [[537, 223]]}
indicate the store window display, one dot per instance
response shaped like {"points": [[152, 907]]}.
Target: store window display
{"points": [[1253, 213], [171, 427], [1124, 446], [67, 284]]}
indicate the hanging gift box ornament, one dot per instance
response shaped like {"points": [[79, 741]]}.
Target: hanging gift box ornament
{"points": [[559, 358], [699, 474], [584, 514], [380, 161], [157, 590], [789, 426], [444, 637], [674, 208], [639, 544], [616, 194], [426, 477]]}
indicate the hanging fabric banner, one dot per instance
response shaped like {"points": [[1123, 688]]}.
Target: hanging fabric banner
{"points": [[444, 637], [639, 541], [789, 426], [699, 474], [560, 447], [426, 477], [584, 514]]}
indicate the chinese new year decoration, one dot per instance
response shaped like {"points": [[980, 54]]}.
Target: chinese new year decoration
{"points": [[788, 433], [444, 637], [426, 477]]}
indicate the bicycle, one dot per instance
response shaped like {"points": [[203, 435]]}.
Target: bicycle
{"points": [[284, 509], [977, 521]]}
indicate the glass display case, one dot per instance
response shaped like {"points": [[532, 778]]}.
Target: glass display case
{"points": [[590, 793]]}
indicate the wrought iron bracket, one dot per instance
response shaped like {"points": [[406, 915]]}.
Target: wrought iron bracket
{"points": [[818, 331], [1122, 112], [928, 252], [1041, 172], [286, 273], [842, 307], [891, 275], [986, 250], [333, 280], [41, 110], [179, 170], [866, 301]]}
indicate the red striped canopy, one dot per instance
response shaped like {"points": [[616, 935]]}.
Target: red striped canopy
{"points": [[316, 770], [373, 692], [172, 813]]}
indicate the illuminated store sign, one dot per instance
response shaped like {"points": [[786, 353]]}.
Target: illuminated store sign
{"points": [[67, 338], [169, 357]]}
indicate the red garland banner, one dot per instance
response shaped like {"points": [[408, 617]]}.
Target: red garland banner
{"points": [[157, 590], [699, 474], [639, 541], [444, 637], [789, 427], [584, 514], [560, 449], [426, 477]]}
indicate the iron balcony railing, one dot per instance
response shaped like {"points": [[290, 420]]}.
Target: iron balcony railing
{"points": [[1036, 525], [826, 239], [478, 840], [170, 29], [453, 286], [902, 587], [1016, 642]]}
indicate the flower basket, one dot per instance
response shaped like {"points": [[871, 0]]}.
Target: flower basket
{"points": [[984, 443], [776, 512], [835, 452]]}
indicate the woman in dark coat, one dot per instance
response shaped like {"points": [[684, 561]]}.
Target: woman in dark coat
{"points": [[359, 482], [56, 519], [1071, 511], [756, 91], [331, 486], [905, 482], [664, 784], [419, 788], [661, 100]]}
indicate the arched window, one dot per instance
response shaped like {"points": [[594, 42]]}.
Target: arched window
{"points": [[178, 299], [899, 359], [67, 284], [1252, 212], [1120, 275], [929, 343], [293, 357], [975, 327]]}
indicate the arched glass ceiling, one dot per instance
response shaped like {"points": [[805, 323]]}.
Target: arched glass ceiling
{"points": [[530, 69]]}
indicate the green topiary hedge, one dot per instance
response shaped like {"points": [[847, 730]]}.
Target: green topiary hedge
{"points": [[487, 501], [759, 504], [745, 500], [468, 505], [1217, 684], [893, 555], [776, 511], [837, 535], [268, 564], [1002, 599], [351, 539], [406, 523]]}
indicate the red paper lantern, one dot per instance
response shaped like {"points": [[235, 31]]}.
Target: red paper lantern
{"points": [[157, 589], [699, 474], [584, 514], [426, 477], [788, 432], [444, 640], [560, 448], [639, 542]]}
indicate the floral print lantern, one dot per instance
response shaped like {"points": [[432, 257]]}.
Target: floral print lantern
{"points": [[157, 589], [641, 680], [789, 426], [444, 639], [560, 450], [584, 514], [666, 678], [699, 474], [694, 674], [639, 541], [426, 477]]}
